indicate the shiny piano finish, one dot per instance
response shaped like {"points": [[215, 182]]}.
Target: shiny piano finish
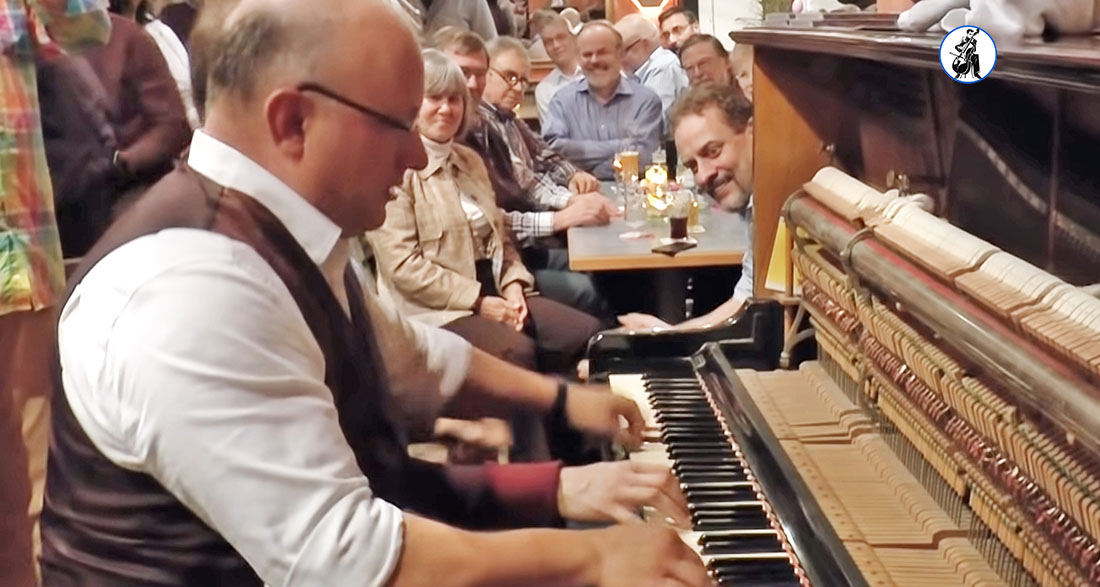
{"points": [[757, 331]]}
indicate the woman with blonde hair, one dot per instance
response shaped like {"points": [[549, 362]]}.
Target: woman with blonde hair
{"points": [[445, 258]]}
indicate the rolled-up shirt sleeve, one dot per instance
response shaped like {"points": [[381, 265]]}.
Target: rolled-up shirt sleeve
{"points": [[197, 368], [426, 365]]}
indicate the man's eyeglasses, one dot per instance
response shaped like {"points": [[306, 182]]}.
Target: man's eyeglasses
{"points": [[364, 110], [512, 79]]}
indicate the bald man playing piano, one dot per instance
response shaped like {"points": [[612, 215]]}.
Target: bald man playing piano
{"points": [[226, 410]]}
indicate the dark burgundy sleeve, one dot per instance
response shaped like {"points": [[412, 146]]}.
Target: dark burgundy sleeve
{"points": [[484, 496]]}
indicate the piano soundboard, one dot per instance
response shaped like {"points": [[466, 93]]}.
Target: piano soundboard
{"points": [[947, 434], [891, 528]]}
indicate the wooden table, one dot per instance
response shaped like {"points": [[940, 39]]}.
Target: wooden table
{"points": [[599, 248]]}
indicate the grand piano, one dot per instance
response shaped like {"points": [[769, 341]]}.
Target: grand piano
{"points": [[948, 432]]}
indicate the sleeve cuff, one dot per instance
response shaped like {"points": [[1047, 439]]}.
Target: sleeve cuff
{"points": [[466, 297], [530, 488], [544, 224]]}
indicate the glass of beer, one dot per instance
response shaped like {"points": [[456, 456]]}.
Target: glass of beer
{"points": [[629, 161], [679, 209]]}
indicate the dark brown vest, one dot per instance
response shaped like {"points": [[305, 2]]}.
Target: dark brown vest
{"points": [[104, 525]]}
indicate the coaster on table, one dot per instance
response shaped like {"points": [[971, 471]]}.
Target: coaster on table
{"points": [[635, 235], [668, 241]]}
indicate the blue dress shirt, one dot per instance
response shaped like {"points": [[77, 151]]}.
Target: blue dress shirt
{"points": [[663, 74], [589, 133], [743, 290]]}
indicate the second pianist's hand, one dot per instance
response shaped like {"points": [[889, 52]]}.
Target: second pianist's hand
{"points": [[617, 491]]}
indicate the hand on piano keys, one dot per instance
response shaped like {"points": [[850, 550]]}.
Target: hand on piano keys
{"points": [[595, 410], [645, 554], [617, 491], [732, 527]]}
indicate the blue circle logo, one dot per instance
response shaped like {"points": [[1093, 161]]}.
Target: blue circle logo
{"points": [[968, 54]]}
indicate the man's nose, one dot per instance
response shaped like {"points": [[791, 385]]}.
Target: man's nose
{"points": [[705, 172]]}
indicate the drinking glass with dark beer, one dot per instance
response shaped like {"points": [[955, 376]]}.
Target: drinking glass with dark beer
{"points": [[679, 208]]}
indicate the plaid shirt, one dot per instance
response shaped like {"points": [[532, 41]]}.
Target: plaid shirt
{"points": [[31, 273], [541, 172]]}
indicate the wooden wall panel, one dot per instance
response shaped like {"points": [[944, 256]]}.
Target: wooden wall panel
{"points": [[794, 117]]}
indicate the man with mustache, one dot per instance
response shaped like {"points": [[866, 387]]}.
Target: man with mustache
{"points": [[705, 60], [593, 119], [712, 126]]}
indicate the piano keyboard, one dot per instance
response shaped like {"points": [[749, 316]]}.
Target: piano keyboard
{"points": [[734, 529], [894, 531]]}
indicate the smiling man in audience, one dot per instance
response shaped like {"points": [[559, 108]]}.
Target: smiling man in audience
{"points": [[713, 129], [593, 119]]}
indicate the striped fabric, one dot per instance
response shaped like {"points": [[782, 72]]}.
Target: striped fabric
{"points": [[31, 272]]}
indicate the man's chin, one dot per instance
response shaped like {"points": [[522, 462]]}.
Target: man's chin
{"points": [[732, 199]]}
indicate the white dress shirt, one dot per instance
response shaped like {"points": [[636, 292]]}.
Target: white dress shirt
{"points": [[545, 90], [184, 356]]}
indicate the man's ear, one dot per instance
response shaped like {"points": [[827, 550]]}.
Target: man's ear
{"points": [[287, 114]]}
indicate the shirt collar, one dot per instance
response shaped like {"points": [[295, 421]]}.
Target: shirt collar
{"points": [[228, 167], [435, 164]]}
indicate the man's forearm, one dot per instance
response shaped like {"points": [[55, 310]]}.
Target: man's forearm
{"points": [[724, 312], [435, 554], [494, 385]]}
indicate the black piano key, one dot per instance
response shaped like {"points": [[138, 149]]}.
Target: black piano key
{"points": [[727, 506], [716, 444], [741, 544], [678, 419], [710, 521], [684, 454], [700, 472], [701, 498], [671, 381], [716, 449], [670, 388], [684, 408], [711, 478], [703, 460], [672, 434], [714, 485], [753, 572], [757, 578]]}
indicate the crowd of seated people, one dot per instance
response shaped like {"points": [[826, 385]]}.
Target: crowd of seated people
{"points": [[263, 221]]}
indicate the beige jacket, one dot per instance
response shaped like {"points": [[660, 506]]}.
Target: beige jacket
{"points": [[425, 251]]}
